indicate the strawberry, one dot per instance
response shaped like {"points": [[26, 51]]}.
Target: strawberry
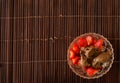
{"points": [[90, 40], [76, 48], [82, 42], [71, 54], [94, 41], [99, 43], [91, 71], [75, 60]]}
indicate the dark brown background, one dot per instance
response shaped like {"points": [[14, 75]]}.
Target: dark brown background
{"points": [[35, 35]]}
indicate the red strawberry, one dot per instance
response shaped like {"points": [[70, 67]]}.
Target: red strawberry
{"points": [[82, 42], [75, 60], [95, 41], [99, 43], [76, 48], [90, 40], [91, 71], [72, 54]]}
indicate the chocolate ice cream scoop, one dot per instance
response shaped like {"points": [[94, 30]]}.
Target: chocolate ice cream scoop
{"points": [[90, 52], [87, 55], [84, 61], [100, 59]]}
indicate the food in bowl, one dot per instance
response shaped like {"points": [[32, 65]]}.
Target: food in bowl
{"points": [[90, 55]]}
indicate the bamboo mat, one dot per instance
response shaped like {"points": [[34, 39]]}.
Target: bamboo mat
{"points": [[35, 35]]}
